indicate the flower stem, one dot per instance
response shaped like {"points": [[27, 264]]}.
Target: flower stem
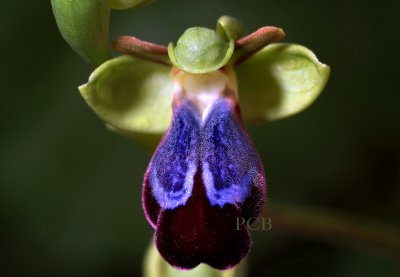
{"points": [[335, 227]]}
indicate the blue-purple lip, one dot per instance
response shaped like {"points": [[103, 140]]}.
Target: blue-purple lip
{"points": [[204, 174]]}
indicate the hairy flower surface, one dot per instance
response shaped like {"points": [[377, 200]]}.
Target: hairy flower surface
{"points": [[204, 174]]}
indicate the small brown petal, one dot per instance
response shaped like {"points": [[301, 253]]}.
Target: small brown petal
{"points": [[133, 46], [247, 46]]}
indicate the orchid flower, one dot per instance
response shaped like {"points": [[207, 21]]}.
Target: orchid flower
{"points": [[198, 95]]}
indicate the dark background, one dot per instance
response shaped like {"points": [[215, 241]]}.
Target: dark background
{"points": [[70, 191]]}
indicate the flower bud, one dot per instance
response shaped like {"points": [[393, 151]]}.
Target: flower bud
{"points": [[84, 25]]}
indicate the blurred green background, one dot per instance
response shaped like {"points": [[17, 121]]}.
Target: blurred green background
{"points": [[70, 191]]}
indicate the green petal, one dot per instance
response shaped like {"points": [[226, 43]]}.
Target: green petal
{"points": [[200, 50], [132, 95], [127, 4], [84, 25], [278, 81]]}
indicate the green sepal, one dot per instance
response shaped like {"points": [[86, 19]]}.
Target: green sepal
{"points": [[278, 81], [230, 28], [127, 4], [132, 95], [200, 50], [85, 25]]}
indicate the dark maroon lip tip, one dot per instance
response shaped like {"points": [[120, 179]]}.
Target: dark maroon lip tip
{"points": [[208, 234]]}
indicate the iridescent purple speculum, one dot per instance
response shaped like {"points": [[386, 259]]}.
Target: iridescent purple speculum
{"points": [[204, 174]]}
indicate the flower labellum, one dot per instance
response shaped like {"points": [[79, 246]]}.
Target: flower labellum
{"points": [[204, 174]]}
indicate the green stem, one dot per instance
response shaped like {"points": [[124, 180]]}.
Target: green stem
{"points": [[335, 227]]}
